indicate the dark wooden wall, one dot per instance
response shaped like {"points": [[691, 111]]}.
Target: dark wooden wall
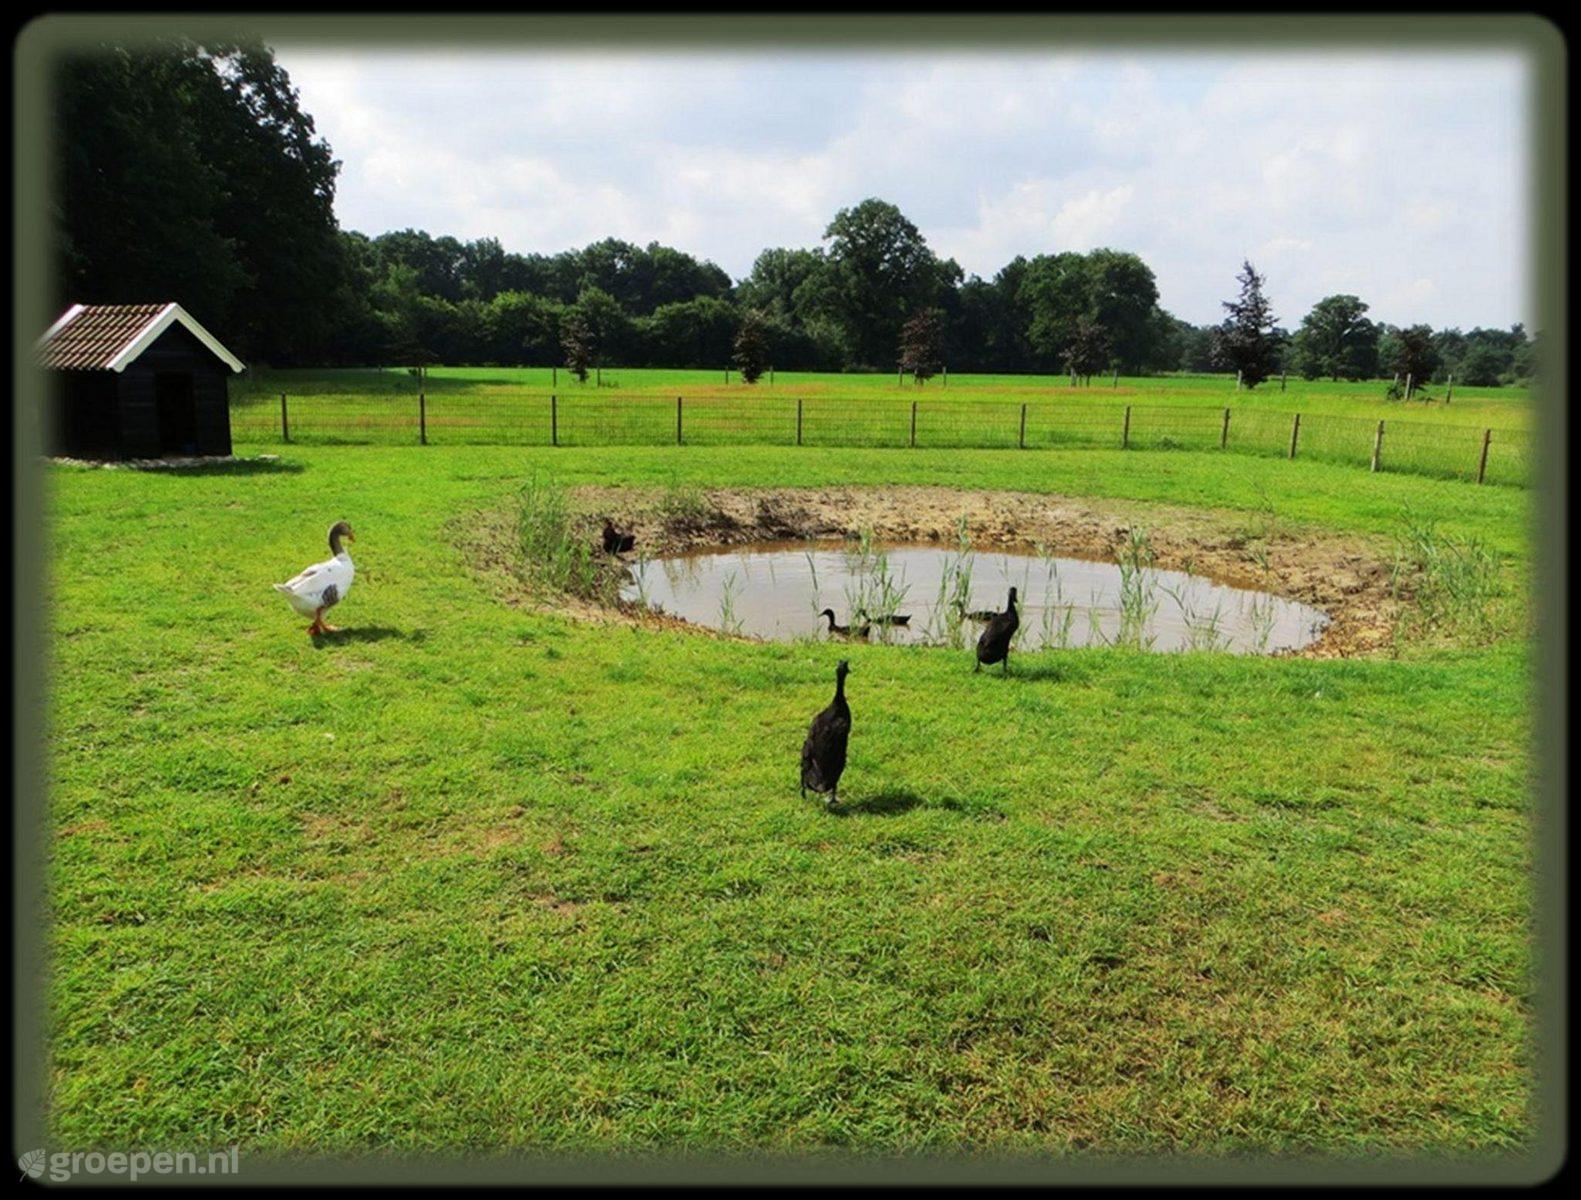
{"points": [[136, 411]]}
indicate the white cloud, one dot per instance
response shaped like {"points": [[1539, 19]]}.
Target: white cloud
{"points": [[1374, 174]]}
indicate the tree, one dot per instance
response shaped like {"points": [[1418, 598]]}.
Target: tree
{"points": [[1337, 340], [187, 170], [878, 269], [1411, 353], [1246, 342], [1091, 349], [922, 344], [577, 341], [751, 346]]}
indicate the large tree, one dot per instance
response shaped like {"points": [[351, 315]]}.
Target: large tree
{"points": [[1337, 340], [1247, 341], [188, 171], [878, 270]]}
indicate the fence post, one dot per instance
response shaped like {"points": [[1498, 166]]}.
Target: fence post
{"points": [[1237, 381], [798, 422], [1409, 385], [1023, 426], [554, 420], [900, 376], [1295, 432], [1482, 464], [554, 377], [677, 420], [1377, 447], [1281, 381], [1116, 382], [422, 418], [1125, 433], [1450, 394], [913, 424], [285, 422], [771, 376], [946, 382], [1224, 433]]}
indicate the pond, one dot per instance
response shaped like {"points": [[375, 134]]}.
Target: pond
{"points": [[776, 590]]}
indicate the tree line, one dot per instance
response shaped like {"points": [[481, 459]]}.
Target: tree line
{"points": [[188, 170]]}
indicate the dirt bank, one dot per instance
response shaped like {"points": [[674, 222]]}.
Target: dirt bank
{"points": [[1346, 577]]}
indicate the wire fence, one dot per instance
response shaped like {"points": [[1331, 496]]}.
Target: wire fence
{"points": [[1495, 456]]}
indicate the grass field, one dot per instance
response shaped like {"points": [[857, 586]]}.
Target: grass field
{"points": [[1338, 422], [474, 874]]}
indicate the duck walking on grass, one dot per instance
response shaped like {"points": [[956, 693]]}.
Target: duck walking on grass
{"points": [[616, 542], [320, 587], [994, 644], [823, 753], [844, 630]]}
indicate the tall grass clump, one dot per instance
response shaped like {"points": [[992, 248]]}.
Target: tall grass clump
{"points": [[558, 554], [1452, 584]]}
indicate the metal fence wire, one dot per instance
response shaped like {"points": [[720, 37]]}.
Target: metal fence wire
{"points": [[1419, 447]]}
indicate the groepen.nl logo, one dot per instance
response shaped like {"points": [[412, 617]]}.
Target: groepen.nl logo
{"points": [[62, 1165]]}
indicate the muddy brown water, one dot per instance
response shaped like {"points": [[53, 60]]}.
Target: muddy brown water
{"points": [[775, 590]]}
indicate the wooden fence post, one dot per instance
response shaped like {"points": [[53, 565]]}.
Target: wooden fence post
{"points": [[946, 382], [554, 420], [1482, 463], [798, 422], [677, 420], [771, 376], [913, 424], [422, 418], [1409, 385], [1116, 382], [1295, 432], [285, 422], [1237, 381], [1281, 381], [900, 376], [1450, 394], [1125, 433], [554, 378], [1023, 426], [1224, 433], [1377, 448]]}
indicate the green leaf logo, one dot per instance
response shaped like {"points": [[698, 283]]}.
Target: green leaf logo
{"points": [[32, 1163]]}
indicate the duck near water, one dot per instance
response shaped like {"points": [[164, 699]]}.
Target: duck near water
{"points": [[887, 618], [845, 630], [316, 590], [823, 753], [616, 542], [994, 644]]}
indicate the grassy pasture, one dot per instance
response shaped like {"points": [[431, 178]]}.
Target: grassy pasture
{"points": [[477, 875], [514, 406]]}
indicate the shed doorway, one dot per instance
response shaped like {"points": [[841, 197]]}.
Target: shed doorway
{"points": [[177, 412]]}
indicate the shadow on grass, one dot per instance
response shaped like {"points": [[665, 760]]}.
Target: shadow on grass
{"points": [[367, 633], [247, 466], [883, 804]]}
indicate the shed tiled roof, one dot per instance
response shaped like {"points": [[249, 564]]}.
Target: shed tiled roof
{"points": [[106, 337]]}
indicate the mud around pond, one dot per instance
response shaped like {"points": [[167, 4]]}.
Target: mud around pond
{"points": [[1346, 577]]}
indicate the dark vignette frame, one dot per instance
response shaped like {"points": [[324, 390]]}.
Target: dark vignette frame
{"points": [[1538, 40]]}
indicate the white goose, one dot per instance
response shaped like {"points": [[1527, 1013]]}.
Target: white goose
{"points": [[323, 585]]}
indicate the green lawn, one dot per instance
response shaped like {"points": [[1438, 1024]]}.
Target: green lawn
{"points": [[477, 875], [1339, 422]]}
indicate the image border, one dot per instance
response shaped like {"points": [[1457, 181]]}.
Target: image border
{"points": [[1542, 46]]}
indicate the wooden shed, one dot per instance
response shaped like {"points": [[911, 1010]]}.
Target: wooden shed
{"points": [[136, 381]]}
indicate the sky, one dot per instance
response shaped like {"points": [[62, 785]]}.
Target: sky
{"points": [[1401, 178]]}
